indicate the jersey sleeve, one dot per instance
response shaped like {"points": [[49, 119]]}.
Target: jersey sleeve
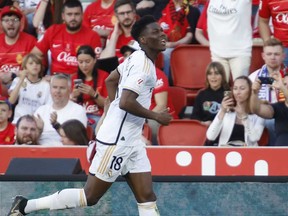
{"points": [[264, 10]]}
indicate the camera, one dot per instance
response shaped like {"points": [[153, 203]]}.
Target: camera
{"points": [[266, 80]]}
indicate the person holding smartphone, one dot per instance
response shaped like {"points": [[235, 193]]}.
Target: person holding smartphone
{"points": [[88, 84], [235, 125], [273, 56]]}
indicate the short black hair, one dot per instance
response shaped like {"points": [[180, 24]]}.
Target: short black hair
{"points": [[140, 25], [72, 4]]}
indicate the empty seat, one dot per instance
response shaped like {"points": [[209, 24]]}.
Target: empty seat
{"points": [[182, 132]]}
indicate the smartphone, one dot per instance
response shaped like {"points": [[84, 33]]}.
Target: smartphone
{"points": [[77, 82], [228, 94], [266, 80]]}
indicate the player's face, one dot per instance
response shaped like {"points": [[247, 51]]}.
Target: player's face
{"points": [[155, 38], [60, 92], [5, 113], [125, 15], [11, 26], [26, 133], [72, 18], [273, 56], [32, 67], [86, 63], [64, 139]]}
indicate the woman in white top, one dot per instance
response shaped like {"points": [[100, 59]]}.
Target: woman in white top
{"points": [[29, 90], [234, 124]]}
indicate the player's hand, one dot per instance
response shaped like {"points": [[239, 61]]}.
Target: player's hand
{"points": [[164, 117]]}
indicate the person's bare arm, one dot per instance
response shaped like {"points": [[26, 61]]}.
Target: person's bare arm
{"points": [[161, 99], [264, 29], [261, 109], [185, 40], [112, 84], [129, 103], [201, 38], [39, 14], [37, 52], [110, 49]]}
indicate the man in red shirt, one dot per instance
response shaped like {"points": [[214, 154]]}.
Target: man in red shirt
{"points": [[6, 128], [277, 10], [14, 45], [126, 15], [100, 17], [63, 40]]}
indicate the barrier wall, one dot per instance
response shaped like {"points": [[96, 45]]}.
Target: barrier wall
{"points": [[177, 161]]}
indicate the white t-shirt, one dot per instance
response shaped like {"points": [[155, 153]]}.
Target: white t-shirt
{"points": [[229, 27], [31, 96], [138, 74], [49, 136]]}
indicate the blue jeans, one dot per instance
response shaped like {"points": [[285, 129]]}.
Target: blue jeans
{"points": [[270, 125]]}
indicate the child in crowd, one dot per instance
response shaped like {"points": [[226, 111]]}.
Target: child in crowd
{"points": [[30, 90]]}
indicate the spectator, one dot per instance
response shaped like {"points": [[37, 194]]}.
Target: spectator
{"points": [[63, 40], [6, 127], [208, 101], [273, 56], [174, 22], [121, 35], [278, 110], [99, 16], [234, 123], [73, 132], [29, 90], [26, 131], [14, 45], [60, 87], [150, 7], [277, 10], [91, 91], [230, 35]]}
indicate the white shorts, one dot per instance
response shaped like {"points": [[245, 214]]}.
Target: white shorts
{"points": [[111, 161]]}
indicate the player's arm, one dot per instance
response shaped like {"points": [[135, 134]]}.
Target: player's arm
{"points": [[129, 103], [112, 82]]}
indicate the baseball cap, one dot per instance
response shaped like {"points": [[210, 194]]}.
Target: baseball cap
{"points": [[4, 100], [132, 45], [11, 10]]}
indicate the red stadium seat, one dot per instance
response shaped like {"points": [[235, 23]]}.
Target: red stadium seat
{"points": [[188, 65], [182, 133], [179, 98], [256, 60]]}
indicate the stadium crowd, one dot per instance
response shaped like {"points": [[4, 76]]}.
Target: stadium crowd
{"points": [[56, 55]]}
